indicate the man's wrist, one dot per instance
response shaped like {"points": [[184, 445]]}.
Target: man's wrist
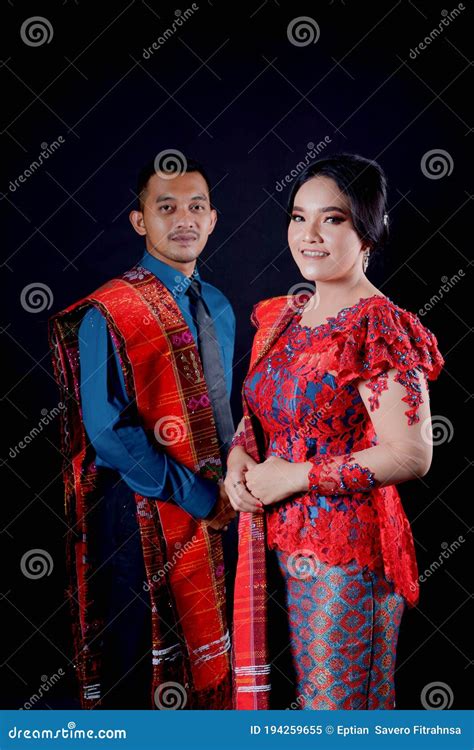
{"points": [[207, 492]]}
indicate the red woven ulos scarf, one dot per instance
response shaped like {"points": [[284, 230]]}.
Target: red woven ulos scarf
{"points": [[183, 560], [250, 647]]}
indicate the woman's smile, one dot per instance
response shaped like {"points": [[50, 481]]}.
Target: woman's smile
{"points": [[314, 253]]}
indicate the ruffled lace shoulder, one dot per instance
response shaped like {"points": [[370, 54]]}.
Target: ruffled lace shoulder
{"points": [[378, 336], [267, 311], [381, 335]]}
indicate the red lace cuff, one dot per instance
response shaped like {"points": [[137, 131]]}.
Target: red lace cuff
{"points": [[238, 439], [339, 475]]}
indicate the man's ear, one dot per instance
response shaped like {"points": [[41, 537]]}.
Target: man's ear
{"points": [[137, 222], [213, 220]]}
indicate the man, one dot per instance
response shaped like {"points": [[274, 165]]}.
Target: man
{"points": [[145, 364]]}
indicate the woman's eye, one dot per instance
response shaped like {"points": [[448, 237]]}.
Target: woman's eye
{"points": [[296, 217], [334, 219]]}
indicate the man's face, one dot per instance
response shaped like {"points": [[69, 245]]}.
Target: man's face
{"points": [[176, 219]]}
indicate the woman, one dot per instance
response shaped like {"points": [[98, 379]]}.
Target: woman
{"points": [[336, 410]]}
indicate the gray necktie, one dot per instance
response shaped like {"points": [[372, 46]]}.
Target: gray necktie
{"points": [[211, 357]]}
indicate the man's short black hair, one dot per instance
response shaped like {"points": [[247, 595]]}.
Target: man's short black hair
{"points": [[173, 165]]}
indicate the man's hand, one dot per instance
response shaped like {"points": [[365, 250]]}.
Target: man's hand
{"points": [[222, 513], [239, 462]]}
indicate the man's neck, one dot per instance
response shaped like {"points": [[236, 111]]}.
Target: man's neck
{"points": [[185, 268]]}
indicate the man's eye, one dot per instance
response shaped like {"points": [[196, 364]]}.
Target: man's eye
{"points": [[198, 206], [165, 206]]}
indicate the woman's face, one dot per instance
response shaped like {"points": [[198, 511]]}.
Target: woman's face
{"points": [[321, 235]]}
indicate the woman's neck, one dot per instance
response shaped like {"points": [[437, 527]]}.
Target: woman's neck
{"points": [[331, 297]]}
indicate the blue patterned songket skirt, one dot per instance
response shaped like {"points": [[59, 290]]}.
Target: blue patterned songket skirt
{"points": [[333, 635]]}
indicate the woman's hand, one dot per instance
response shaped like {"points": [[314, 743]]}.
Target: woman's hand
{"points": [[276, 479], [238, 463]]}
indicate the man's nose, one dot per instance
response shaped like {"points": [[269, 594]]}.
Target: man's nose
{"points": [[186, 218]]}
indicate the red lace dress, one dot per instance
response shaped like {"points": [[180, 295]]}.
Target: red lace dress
{"points": [[305, 396]]}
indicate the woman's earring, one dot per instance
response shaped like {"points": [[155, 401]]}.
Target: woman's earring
{"points": [[365, 261]]}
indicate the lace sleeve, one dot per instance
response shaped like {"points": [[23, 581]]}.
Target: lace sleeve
{"points": [[387, 337]]}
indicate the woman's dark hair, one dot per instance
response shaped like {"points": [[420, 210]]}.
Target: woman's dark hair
{"points": [[173, 165], [363, 181]]}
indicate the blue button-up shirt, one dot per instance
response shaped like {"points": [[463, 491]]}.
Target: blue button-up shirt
{"points": [[117, 437]]}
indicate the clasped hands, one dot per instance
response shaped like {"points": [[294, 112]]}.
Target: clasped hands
{"points": [[251, 486]]}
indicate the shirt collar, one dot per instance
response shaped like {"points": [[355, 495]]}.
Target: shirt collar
{"points": [[175, 281]]}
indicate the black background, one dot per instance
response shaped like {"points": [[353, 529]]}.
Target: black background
{"points": [[232, 91]]}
